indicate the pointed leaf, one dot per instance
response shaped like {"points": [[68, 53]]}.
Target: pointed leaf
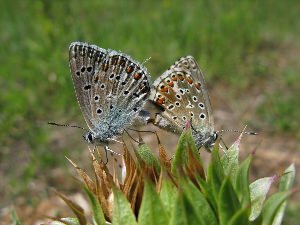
{"points": [[288, 178], [273, 205], [230, 160], [242, 182], [146, 155], [185, 142], [228, 203], [152, 211], [286, 183], [184, 213], [96, 208], [167, 196], [258, 193], [208, 193], [67, 221], [215, 175], [77, 210], [200, 204], [121, 209]]}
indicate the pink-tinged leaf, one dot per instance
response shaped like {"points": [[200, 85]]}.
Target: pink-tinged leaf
{"points": [[258, 194]]}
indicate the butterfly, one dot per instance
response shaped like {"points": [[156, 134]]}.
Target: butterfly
{"points": [[182, 95], [111, 89]]}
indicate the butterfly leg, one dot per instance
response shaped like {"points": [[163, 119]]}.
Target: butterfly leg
{"points": [[106, 149], [132, 137], [142, 131]]}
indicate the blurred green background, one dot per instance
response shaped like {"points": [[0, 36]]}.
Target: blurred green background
{"points": [[245, 48]]}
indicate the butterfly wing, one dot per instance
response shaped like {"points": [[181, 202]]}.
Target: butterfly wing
{"points": [[111, 87], [84, 61], [181, 93]]}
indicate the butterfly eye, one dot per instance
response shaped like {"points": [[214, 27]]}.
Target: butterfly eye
{"points": [[90, 137]]}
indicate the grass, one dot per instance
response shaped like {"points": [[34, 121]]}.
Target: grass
{"points": [[240, 44]]}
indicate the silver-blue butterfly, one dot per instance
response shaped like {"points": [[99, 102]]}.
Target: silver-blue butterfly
{"points": [[182, 95], [111, 89]]}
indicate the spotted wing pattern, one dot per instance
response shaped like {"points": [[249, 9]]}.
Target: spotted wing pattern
{"points": [[110, 86], [181, 93]]}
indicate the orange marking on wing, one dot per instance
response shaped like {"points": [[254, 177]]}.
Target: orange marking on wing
{"points": [[174, 78], [160, 101], [164, 89], [189, 80], [180, 77], [198, 85], [171, 84], [137, 76]]}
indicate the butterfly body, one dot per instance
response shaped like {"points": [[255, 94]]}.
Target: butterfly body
{"points": [[111, 89], [182, 95]]}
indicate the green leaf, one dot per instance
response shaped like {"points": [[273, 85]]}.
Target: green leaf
{"points": [[215, 175], [14, 217], [258, 193], [122, 210], [288, 178], [198, 201], [77, 210], [184, 213], [228, 203], [240, 217], [186, 142], [208, 193], [230, 160], [66, 221], [146, 155], [152, 211], [167, 193], [242, 182], [286, 183], [96, 208], [272, 207]]}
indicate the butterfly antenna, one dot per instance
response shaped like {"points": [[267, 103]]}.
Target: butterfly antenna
{"points": [[238, 131], [146, 60], [65, 125]]}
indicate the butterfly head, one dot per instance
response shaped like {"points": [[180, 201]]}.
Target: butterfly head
{"points": [[210, 141], [205, 139]]}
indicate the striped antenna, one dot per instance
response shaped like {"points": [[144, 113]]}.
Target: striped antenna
{"points": [[237, 131], [65, 125]]}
